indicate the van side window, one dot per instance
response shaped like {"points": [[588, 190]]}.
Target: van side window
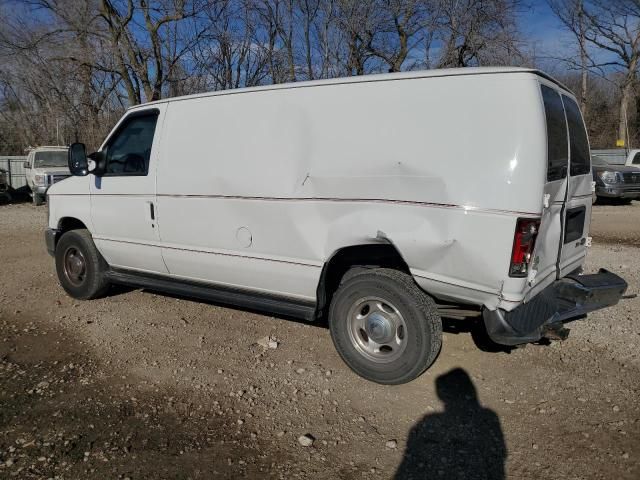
{"points": [[636, 159], [578, 137], [557, 152], [129, 151]]}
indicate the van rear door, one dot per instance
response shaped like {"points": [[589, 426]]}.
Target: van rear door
{"points": [[545, 263], [577, 210], [562, 240]]}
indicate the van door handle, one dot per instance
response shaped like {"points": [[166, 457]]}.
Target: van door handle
{"points": [[152, 211]]}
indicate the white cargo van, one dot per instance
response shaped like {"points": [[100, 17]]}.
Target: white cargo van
{"points": [[45, 165], [375, 202]]}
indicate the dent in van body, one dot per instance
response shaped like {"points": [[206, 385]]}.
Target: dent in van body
{"points": [[306, 181]]}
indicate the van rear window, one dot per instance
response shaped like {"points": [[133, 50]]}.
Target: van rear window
{"points": [[580, 164], [557, 152]]}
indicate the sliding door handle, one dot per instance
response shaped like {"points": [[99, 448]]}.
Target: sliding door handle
{"points": [[152, 212]]}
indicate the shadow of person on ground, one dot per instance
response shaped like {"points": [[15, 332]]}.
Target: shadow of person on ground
{"points": [[463, 442]]}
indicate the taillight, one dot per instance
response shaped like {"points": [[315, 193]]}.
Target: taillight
{"points": [[524, 240]]}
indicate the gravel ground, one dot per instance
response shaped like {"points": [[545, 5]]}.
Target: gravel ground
{"points": [[144, 385], [616, 224]]}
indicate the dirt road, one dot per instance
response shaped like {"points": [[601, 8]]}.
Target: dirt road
{"points": [[143, 385]]}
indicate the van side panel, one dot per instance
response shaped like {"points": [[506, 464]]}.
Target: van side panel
{"points": [[71, 201], [273, 182]]}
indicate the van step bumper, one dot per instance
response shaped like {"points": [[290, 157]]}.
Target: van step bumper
{"points": [[567, 298]]}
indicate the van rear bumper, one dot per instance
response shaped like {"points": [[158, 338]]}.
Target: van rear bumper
{"points": [[567, 298]]}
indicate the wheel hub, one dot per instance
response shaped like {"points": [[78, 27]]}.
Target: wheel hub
{"points": [[377, 329], [74, 266]]}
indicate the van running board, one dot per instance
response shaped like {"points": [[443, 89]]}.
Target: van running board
{"points": [[217, 294]]}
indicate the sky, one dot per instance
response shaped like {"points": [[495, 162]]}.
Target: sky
{"points": [[539, 24]]}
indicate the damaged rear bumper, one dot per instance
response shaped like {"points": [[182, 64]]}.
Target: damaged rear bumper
{"points": [[569, 297]]}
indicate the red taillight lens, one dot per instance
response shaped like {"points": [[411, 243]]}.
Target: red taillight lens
{"points": [[524, 240]]}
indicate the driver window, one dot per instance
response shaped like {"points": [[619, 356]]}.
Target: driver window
{"points": [[129, 151]]}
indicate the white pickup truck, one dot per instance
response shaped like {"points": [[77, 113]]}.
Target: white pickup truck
{"points": [[378, 203], [45, 166], [633, 159]]}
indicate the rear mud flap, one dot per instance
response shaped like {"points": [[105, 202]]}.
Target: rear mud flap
{"points": [[567, 298]]}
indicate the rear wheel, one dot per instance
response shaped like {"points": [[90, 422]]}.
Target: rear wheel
{"points": [[37, 199], [383, 326], [80, 267]]}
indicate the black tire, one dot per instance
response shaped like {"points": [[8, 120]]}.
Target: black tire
{"points": [[80, 267], [421, 327], [37, 199]]}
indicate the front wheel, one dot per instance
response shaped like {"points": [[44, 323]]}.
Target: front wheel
{"points": [[383, 326], [80, 267], [37, 199]]}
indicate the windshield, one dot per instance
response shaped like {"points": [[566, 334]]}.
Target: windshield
{"points": [[53, 158]]}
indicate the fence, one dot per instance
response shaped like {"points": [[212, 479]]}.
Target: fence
{"points": [[15, 170], [616, 156]]}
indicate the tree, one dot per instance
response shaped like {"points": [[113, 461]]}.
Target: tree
{"points": [[140, 35], [478, 32], [608, 35], [615, 30], [400, 27], [572, 15], [73, 66]]}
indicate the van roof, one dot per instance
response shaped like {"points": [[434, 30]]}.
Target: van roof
{"points": [[445, 72]]}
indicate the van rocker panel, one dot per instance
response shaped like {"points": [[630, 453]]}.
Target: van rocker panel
{"points": [[286, 306], [565, 299]]}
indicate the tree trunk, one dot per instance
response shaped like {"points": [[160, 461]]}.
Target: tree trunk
{"points": [[583, 60], [625, 96]]}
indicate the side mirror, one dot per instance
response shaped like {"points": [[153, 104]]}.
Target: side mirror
{"points": [[97, 163], [78, 163], [26, 165]]}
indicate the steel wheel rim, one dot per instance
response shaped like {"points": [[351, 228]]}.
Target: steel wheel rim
{"points": [[75, 266], [377, 329]]}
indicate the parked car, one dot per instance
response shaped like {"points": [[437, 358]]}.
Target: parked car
{"points": [[45, 166], [619, 182], [5, 188], [362, 200]]}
